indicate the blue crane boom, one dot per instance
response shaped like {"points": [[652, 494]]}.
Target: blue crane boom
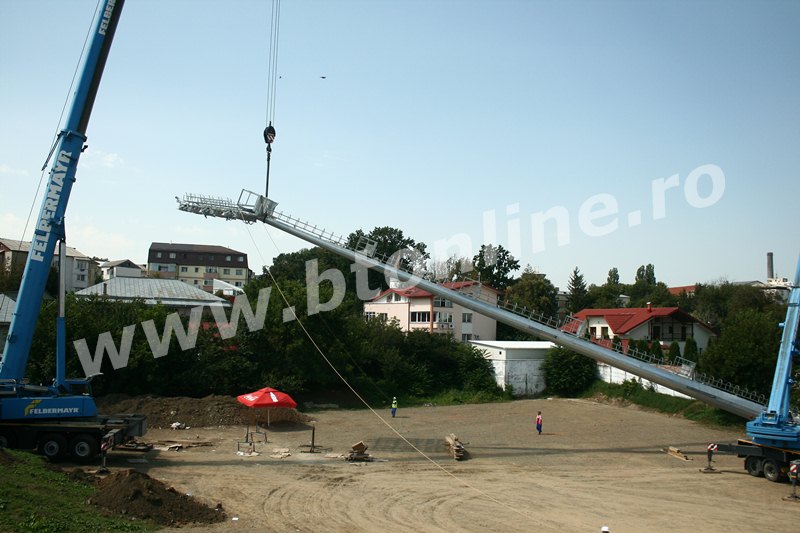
{"points": [[775, 425], [60, 419], [50, 228]]}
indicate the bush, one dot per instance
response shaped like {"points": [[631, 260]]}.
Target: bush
{"points": [[567, 373]]}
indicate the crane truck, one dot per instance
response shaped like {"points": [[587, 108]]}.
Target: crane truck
{"points": [[60, 419], [774, 435]]}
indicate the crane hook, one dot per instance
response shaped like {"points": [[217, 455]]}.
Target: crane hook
{"points": [[269, 134]]}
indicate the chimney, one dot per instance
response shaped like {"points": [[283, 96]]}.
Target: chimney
{"points": [[770, 270], [649, 308]]}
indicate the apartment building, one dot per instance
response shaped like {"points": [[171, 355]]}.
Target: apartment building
{"points": [[197, 264]]}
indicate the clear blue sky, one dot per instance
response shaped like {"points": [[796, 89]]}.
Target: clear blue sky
{"points": [[432, 114]]}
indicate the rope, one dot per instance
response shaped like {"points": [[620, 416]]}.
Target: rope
{"points": [[364, 402]]}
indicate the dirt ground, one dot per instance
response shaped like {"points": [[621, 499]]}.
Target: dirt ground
{"points": [[595, 464]]}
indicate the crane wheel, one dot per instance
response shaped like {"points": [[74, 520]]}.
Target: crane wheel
{"points": [[771, 470], [83, 447], [754, 466], [53, 446]]}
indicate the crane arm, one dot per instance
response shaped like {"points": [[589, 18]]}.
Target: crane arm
{"points": [[49, 228]]}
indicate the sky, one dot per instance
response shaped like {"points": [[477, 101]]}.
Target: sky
{"points": [[575, 134]]}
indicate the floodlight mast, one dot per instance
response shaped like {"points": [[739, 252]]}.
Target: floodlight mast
{"points": [[253, 207]]}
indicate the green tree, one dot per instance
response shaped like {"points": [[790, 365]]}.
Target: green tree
{"points": [[746, 351], [395, 248], [568, 373], [577, 294], [674, 351], [713, 303], [613, 277], [494, 265], [690, 352], [534, 291]]}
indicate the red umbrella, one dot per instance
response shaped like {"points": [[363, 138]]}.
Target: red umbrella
{"points": [[267, 398]]}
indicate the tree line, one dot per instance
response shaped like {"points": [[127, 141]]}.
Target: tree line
{"points": [[376, 356]]}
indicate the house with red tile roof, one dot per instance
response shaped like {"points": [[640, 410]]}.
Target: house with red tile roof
{"points": [[689, 290], [417, 309], [665, 324]]}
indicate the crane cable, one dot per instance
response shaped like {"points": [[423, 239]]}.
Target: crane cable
{"points": [[272, 82], [462, 480]]}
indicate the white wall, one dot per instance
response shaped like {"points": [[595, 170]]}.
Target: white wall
{"points": [[518, 364], [609, 374]]}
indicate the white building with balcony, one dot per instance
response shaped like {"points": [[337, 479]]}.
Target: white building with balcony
{"points": [[416, 309]]}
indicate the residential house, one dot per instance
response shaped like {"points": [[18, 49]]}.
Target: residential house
{"points": [[81, 270], [665, 324], [7, 306], [198, 264], [123, 268], [417, 309], [171, 293], [688, 290]]}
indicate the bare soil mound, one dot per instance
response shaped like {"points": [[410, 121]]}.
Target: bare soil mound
{"points": [[210, 411], [135, 494]]}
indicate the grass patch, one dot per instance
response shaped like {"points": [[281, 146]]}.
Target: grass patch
{"points": [[633, 392], [39, 499]]}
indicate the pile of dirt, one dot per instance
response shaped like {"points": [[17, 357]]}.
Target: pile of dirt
{"points": [[6, 459], [135, 494], [210, 411]]}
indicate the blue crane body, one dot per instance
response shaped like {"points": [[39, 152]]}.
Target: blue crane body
{"points": [[61, 418]]}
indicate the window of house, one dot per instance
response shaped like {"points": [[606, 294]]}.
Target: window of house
{"points": [[228, 258], [210, 257], [200, 257], [184, 269], [158, 255], [466, 318], [656, 334], [397, 297], [238, 271], [593, 332], [240, 259], [442, 302], [370, 314], [420, 316], [197, 282], [197, 269], [207, 282], [226, 271], [466, 337], [172, 255], [604, 332], [81, 277], [238, 283], [442, 317], [211, 270]]}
